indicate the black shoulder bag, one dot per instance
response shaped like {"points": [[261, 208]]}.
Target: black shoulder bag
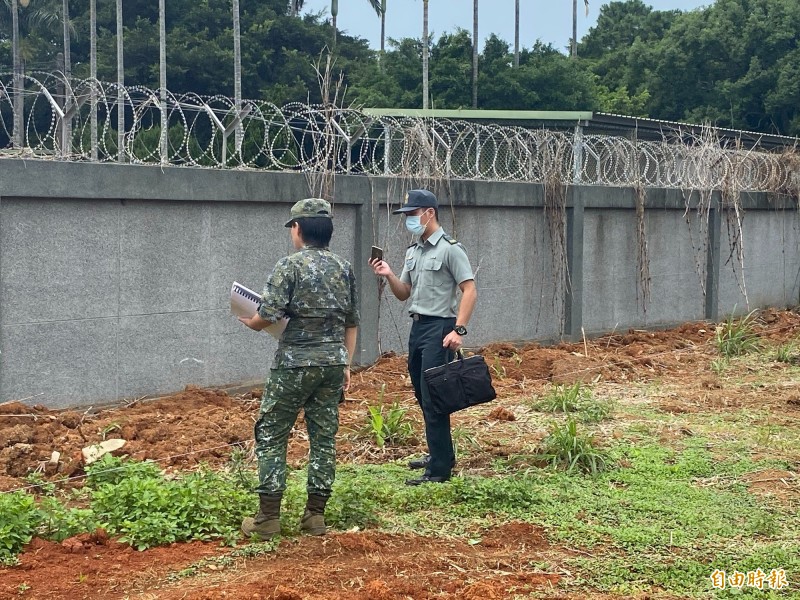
{"points": [[459, 384]]}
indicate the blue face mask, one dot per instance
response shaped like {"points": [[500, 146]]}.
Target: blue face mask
{"points": [[414, 225]]}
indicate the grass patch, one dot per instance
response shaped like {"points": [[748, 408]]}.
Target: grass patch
{"points": [[565, 448], [652, 518], [737, 337], [576, 399]]}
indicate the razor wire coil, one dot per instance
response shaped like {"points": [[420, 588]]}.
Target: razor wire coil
{"points": [[213, 132]]}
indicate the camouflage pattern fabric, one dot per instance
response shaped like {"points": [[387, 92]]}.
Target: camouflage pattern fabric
{"points": [[316, 289], [317, 390], [310, 208]]}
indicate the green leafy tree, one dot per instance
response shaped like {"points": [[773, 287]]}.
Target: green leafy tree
{"points": [[619, 50], [731, 64]]}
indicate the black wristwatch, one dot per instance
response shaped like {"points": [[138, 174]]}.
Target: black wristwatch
{"points": [[460, 330]]}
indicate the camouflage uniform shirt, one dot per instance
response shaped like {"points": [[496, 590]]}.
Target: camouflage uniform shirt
{"points": [[316, 289]]}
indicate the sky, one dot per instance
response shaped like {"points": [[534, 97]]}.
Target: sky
{"points": [[547, 20]]}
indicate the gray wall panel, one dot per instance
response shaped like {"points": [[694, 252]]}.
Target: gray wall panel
{"points": [[59, 259], [236, 353], [164, 257], [612, 292], [765, 270], [163, 353], [132, 266], [60, 364], [246, 240], [790, 251]]}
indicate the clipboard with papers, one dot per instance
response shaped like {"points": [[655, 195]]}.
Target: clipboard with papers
{"points": [[244, 303]]}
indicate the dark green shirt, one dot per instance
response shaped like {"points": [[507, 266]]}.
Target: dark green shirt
{"points": [[316, 289]]}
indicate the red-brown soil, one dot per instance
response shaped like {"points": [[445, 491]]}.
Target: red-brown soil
{"points": [[206, 425], [364, 565]]}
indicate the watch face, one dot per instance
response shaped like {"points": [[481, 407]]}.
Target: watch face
{"points": [[461, 330]]}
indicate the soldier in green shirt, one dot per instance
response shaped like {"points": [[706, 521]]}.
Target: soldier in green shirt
{"points": [[316, 289], [436, 268]]}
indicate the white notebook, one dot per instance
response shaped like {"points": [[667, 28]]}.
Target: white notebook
{"points": [[244, 303]]}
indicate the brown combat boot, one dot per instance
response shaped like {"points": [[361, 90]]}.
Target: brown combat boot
{"points": [[266, 523], [313, 522]]}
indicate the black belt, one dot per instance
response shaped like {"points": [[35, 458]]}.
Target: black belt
{"points": [[424, 318]]}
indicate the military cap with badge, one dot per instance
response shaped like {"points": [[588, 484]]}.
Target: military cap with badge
{"points": [[417, 199]]}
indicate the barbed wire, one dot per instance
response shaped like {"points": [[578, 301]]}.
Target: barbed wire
{"points": [[57, 123]]}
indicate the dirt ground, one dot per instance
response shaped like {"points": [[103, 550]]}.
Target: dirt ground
{"points": [[206, 425]]}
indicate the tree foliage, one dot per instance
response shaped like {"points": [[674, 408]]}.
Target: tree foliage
{"points": [[732, 64], [735, 63]]}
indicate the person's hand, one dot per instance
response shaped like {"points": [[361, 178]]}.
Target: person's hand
{"points": [[346, 384], [251, 322], [452, 341], [380, 267]]}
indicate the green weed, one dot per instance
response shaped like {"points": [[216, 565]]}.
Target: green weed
{"points": [[18, 524], [737, 338], [498, 369], [149, 511], [356, 499], [256, 549], [40, 485], [110, 428], [718, 365], [565, 448], [577, 399], [252, 550], [388, 425], [787, 353], [111, 470], [57, 522], [463, 439], [239, 465]]}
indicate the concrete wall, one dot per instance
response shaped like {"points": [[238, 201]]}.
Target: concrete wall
{"points": [[114, 279]]}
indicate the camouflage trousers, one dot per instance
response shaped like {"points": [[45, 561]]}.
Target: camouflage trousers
{"points": [[316, 390]]}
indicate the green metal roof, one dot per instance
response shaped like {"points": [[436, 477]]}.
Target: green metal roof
{"points": [[483, 115], [592, 122]]}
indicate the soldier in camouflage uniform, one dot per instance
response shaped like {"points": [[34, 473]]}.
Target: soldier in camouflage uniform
{"points": [[316, 289]]}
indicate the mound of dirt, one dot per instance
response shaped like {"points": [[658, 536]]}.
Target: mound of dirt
{"points": [[207, 425]]}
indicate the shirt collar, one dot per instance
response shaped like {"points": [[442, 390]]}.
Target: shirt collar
{"points": [[433, 239]]}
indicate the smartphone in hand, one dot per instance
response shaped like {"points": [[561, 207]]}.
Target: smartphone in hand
{"points": [[377, 253]]}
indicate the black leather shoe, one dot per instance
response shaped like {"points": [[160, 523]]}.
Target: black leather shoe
{"points": [[420, 463], [428, 479]]}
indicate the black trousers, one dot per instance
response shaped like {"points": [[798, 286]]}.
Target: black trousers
{"points": [[425, 350]]}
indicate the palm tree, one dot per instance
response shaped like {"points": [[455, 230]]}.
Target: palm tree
{"points": [[574, 45], [93, 72], [35, 17], [377, 6], [120, 84], [67, 53], [516, 34], [383, 26], [162, 79], [475, 54], [237, 71], [424, 54], [66, 128], [295, 6], [334, 14], [18, 101]]}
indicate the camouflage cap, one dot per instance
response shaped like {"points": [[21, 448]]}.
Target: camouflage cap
{"points": [[310, 207]]}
